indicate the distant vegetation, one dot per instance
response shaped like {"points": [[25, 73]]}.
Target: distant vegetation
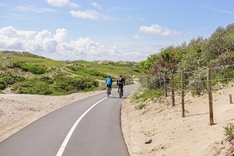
{"points": [[193, 59], [26, 73], [229, 131]]}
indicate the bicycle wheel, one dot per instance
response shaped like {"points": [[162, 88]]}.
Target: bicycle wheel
{"points": [[120, 93], [108, 92]]}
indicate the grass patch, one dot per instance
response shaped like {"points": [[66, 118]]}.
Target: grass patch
{"points": [[229, 131], [143, 94]]}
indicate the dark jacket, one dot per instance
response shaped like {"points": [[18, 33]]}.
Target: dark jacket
{"points": [[121, 82]]}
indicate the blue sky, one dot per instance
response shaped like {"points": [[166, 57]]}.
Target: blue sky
{"points": [[107, 30]]}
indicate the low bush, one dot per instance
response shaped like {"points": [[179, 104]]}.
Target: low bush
{"points": [[8, 78], [35, 69], [46, 79], [144, 94], [32, 87], [229, 131]]}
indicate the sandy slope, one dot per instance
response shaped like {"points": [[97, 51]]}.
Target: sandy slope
{"points": [[170, 133], [175, 135]]}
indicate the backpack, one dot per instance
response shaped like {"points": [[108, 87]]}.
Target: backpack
{"points": [[108, 81], [120, 80]]}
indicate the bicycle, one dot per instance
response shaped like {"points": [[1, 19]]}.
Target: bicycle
{"points": [[120, 92], [108, 91]]}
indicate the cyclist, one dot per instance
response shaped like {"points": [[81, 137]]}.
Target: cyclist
{"points": [[120, 83], [108, 84]]}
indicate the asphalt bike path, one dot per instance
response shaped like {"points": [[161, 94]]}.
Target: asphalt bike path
{"points": [[88, 127]]}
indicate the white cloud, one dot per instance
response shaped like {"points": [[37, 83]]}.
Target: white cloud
{"points": [[34, 9], [32, 46], [90, 14], [42, 35], [8, 31], [137, 37], [49, 45], [74, 5], [58, 3], [158, 30], [57, 46], [61, 3], [96, 5], [14, 43], [61, 35], [12, 32]]}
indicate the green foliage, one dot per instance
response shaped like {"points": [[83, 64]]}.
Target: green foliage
{"points": [[146, 65], [149, 81], [31, 74], [87, 71], [27, 67], [193, 59], [35, 87], [2, 86], [167, 54], [190, 62], [219, 42], [110, 68], [195, 45], [9, 78], [59, 85], [223, 75], [144, 94], [46, 79], [197, 81], [226, 58], [84, 83], [75, 83], [35, 69], [136, 70], [229, 131]]}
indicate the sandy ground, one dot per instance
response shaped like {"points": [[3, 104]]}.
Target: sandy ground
{"points": [[171, 134]]}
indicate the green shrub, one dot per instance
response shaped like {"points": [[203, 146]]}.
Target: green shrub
{"points": [[31, 87], [144, 94], [229, 131], [8, 78], [46, 79], [2, 86], [74, 68], [75, 83], [33, 68], [149, 81]]}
